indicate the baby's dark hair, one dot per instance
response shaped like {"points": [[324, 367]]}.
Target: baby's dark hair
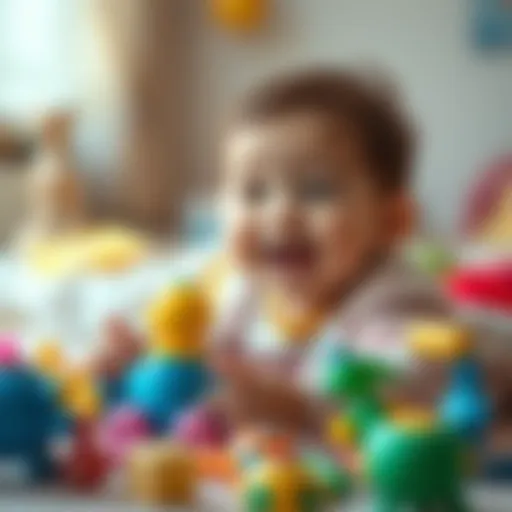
{"points": [[345, 98]]}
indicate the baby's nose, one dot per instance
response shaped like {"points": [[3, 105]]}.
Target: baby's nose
{"points": [[283, 214]]}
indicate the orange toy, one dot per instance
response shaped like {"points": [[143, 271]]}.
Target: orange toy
{"points": [[217, 465]]}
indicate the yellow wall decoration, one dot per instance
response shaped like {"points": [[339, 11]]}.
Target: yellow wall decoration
{"points": [[240, 16]]}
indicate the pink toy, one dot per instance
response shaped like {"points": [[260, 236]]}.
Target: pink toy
{"points": [[124, 428], [485, 194], [10, 354], [203, 427]]}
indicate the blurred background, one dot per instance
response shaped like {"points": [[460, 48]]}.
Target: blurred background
{"points": [[111, 110], [149, 83]]}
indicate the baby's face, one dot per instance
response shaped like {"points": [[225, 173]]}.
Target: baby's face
{"points": [[303, 216]]}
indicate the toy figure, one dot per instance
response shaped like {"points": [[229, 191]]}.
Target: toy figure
{"points": [[465, 406], [203, 427], [122, 430], [56, 194], [161, 473], [280, 475], [171, 377], [28, 411], [86, 467], [280, 483], [411, 460]]}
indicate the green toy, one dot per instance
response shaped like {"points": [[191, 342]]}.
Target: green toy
{"points": [[284, 477], [409, 461]]}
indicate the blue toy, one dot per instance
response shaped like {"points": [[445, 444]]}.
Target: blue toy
{"points": [[466, 407], [163, 387], [28, 415], [171, 377]]}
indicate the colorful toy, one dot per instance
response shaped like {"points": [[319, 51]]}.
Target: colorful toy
{"points": [[216, 464], [121, 431], [432, 258], [484, 286], [28, 411], [412, 460], [162, 473], [465, 406], [10, 353], [171, 378], [86, 466], [281, 483], [203, 426], [303, 477]]}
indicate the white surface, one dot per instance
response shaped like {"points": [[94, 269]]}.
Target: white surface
{"points": [[461, 97], [73, 309], [212, 499]]}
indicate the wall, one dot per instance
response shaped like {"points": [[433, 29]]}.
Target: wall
{"points": [[462, 99]]}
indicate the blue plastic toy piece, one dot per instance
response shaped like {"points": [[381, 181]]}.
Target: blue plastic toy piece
{"points": [[164, 387], [28, 415], [466, 406]]}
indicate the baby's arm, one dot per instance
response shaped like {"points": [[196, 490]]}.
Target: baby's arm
{"points": [[254, 395]]}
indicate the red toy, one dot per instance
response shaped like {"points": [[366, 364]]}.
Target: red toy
{"points": [[484, 286], [86, 467]]}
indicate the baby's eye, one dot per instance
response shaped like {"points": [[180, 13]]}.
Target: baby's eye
{"points": [[255, 192], [317, 190]]}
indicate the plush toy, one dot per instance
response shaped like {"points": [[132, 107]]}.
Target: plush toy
{"points": [[29, 413], [171, 377]]}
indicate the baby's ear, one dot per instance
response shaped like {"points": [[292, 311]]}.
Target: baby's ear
{"points": [[402, 210]]}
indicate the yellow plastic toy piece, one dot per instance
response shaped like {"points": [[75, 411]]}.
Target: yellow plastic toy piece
{"points": [[240, 15], [162, 473], [340, 432], [440, 341], [80, 395], [413, 419], [285, 480], [49, 359], [178, 321]]}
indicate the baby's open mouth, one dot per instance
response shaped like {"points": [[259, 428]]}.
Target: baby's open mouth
{"points": [[289, 255]]}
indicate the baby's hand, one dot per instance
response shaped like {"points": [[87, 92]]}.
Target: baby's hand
{"points": [[254, 395]]}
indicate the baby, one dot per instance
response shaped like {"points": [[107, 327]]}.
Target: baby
{"points": [[317, 191]]}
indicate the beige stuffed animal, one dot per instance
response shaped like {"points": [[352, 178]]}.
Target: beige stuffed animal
{"points": [[55, 192]]}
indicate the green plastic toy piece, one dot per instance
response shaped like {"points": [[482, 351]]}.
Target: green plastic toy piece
{"points": [[409, 462]]}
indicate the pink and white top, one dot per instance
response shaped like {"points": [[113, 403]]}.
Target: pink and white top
{"points": [[371, 321]]}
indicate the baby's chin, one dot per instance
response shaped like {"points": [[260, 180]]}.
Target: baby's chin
{"points": [[302, 286]]}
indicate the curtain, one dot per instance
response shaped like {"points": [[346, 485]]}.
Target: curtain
{"points": [[146, 49]]}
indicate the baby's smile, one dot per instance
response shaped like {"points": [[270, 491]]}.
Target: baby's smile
{"points": [[288, 255]]}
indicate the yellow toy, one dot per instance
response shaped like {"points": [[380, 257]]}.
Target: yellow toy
{"points": [[77, 388], [240, 15], [280, 482], [439, 341], [49, 359], [178, 321], [161, 473]]}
